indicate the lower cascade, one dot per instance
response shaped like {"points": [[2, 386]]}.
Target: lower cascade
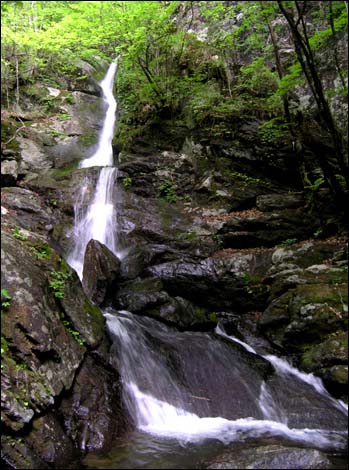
{"points": [[209, 389]]}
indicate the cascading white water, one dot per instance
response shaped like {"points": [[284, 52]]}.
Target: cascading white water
{"points": [[160, 404], [97, 219], [283, 367], [104, 153]]}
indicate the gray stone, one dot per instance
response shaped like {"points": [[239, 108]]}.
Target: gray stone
{"points": [[318, 268], [9, 172], [32, 156], [274, 202], [273, 457], [101, 270]]}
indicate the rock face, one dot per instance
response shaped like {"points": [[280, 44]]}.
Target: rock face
{"points": [[101, 270], [273, 456], [93, 412], [51, 335]]}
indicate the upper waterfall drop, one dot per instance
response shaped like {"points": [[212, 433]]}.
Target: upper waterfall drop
{"points": [[104, 153], [95, 217]]}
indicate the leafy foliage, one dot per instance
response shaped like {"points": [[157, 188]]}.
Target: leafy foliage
{"points": [[57, 282], [16, 233], [167, 190], [75, 334], [5, 299], [203, 64], [273, 130]]}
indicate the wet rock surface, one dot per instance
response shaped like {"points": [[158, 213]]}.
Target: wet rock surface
{"points": [[101, 269], [93, 414], [273, 456]]}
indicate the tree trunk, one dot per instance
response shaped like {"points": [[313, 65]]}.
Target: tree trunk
{"points": [[306, 59], [17, 83], [279, 71], [335, 51]]}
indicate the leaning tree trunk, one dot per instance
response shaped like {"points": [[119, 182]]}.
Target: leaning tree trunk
{"points": [[306, 59]]}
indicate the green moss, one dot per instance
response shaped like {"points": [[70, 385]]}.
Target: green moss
{"points": [[8, 129], [167, 190], [88, 138], [41, 250], [75, 334], [199, 313], [127, 182], [5, 299], [58, 134], [245, 179], [70, 99], [190, 236], [273, 131], [322, 294], [288, 242], [92, 310], [17, 233], [4, 345], [212, 316], [307, 360], [57, 280], [63, 172]]}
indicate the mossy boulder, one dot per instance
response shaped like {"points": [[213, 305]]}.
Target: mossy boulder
{"points": [[85, 317], [329, 360], [305, 314], [38, 342]]}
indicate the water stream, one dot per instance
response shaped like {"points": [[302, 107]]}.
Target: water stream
{"points": [[95, 217], [190, 394]]}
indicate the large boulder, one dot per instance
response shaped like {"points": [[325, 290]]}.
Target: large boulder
{"points": [[329, 360], [305, 314], [271, 456], [45, 327], [9, 172], [233, 282], [50, 334], [307, 307], [34, 336], [148, 297], [101, 269], [93, 414]]}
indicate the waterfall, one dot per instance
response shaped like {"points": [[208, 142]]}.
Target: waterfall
{"points": [[95, 218], [286, 369], [104, 153], [188, 387], [173, 381]]}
